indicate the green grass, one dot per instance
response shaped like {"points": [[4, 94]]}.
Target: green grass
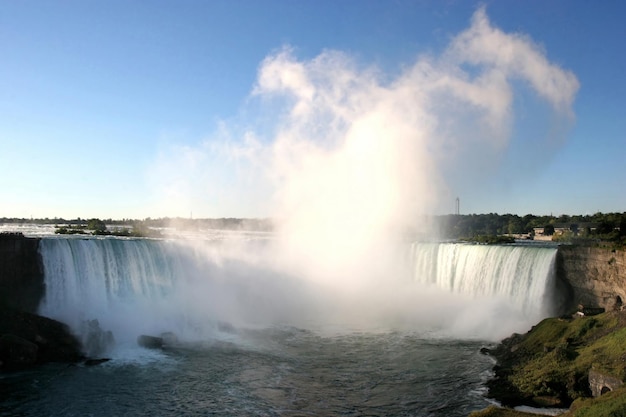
{"points": [[493, 411], [554, 358], [611, 404], [552, 363]]}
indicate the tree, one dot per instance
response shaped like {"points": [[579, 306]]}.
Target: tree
{"points": [[96, 225], [548, 230]]}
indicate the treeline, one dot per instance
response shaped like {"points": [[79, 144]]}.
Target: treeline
{"points": [[606, 226], [179, 223], [98, 227], [226, 223], [61, 221]]}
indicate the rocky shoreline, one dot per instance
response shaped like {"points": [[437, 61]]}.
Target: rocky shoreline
{"points": [[570, 363]]}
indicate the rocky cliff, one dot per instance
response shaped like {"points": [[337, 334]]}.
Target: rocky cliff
{"points": [[21, 276], [27, 339], [596, 276]]}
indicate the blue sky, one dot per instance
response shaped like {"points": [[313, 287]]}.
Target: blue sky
{"points": [[134, 109]]}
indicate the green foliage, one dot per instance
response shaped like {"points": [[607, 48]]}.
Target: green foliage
{"points": [[493, 411], [97, 225], [64, 230], [548, 229], [554, 358], [611, 404], [587, 229], [490, 239]]}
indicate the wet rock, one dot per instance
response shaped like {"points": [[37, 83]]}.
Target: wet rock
{"points": [[16, 353], [169, 339], [94, 362], [53, 339], [96, 342], [150, 342]]}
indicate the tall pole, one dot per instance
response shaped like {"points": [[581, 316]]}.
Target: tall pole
{"points": [[458, 206]]}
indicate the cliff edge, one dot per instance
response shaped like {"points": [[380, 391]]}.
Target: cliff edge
{"points": [[596, 276], [27, 339]]}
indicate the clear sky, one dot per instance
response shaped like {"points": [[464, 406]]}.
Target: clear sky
{"points": [[134, 109]]}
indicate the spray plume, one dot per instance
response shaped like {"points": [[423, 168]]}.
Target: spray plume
{"points": [[353, 157]]}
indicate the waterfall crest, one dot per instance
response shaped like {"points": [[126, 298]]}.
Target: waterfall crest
{"points": [[522, 275], [126, 284], [139, 286]]}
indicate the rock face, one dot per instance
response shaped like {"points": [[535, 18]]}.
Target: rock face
{"points": [[16, 353], [21, 277], [95, 341], [27, 339], [600, 383], [150, 342], [596, 276]]}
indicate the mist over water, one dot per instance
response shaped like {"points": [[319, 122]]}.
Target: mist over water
{"points": [[258, 337], [205, 290], [347, 158]]}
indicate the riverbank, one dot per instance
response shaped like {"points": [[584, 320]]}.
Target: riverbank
{"points": [[577, 363]]}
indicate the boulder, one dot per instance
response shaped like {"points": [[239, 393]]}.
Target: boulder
{"points": [[600, 383], [169, 339], [16, 353], [94, 362], [96, 342], [150, 342], [53, 339]]}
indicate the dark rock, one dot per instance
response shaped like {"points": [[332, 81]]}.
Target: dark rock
{"points": [[21, 274], [94, 362], [96, 342], [150, 342], [53, 339], [169, 339], [590, 311], [16, 353]]}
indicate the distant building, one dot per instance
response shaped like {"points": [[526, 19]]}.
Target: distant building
{"points": [[560, 228]]}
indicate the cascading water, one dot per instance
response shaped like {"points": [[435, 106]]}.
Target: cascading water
{"points": [[132, 286], [522, 275], [142, 286], [138, 286], [419, 357]]}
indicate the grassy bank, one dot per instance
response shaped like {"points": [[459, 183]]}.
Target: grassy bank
{"points": [[549, 366]]}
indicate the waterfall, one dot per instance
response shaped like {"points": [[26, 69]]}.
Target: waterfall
{"points": [[134, 286], [523, 275], [191, 288]]}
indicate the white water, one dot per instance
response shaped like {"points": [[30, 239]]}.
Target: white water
{"points": [[142, 286], [520, 276], [138, 286]]}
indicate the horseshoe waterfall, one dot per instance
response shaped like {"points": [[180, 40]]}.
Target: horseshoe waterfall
{"points": [[252, 338]]}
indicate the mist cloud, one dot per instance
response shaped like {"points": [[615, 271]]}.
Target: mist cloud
{"points": [[352, 153]]}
